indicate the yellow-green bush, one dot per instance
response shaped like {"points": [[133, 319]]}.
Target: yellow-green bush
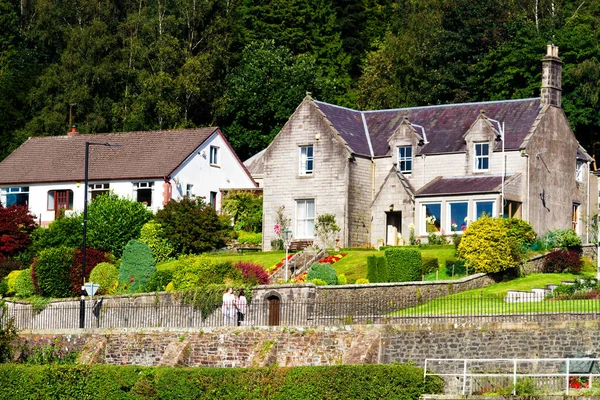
{"points": [[342, 280], [10, 280], [487, 247], [24, 284], [105, 274], [362, 281]]}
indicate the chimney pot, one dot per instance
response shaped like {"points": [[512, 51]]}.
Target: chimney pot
{"points": [[73, 131]]}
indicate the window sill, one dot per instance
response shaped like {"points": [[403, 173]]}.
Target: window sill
{"points": [[215, 165], [305, 176]]}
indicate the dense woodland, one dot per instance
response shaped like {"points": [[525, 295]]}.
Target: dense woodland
{"points": [[244, 65]]}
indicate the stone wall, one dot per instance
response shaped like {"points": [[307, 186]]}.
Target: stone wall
{"points": [[535, 264], [251, 346]]}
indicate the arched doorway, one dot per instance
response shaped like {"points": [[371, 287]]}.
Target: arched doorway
{"points": [[273, 310]]}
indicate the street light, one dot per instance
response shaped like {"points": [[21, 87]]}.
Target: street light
{"points": [[287, 238], [500, 137], [83, 249]]}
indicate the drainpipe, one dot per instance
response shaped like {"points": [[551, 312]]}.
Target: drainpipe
{"points": [[587, 229], [528, 179], [167, 190]]}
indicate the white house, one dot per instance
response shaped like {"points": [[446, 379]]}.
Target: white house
{"points": [[47, 173]]}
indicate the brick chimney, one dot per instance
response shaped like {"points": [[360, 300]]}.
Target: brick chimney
{"points": [[73, 131], [551, 77]]}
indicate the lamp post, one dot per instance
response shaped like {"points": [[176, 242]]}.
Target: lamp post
{"points": [[287, 237], [501, 138], [84, 244]]}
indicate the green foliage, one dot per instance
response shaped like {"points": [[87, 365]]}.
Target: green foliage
{"points": [[455, 267], [390, 381], [24, 284], [66, 231], [326, 229], [245, 208], [383, 274], [192, 226], [372, 275], [562, 239], [106, 275], [342, 280], [8, 334], [521, 231], [318, 282], [322, 271], [48, 354], [405, 265], [137, 266], [3, 287], [159, 281], [194, 271], [362, 281], [51, 272], [209, 297], [430, 264], [486, 246], [10, 281], [113, 221], [152, 234], [254, 239]]}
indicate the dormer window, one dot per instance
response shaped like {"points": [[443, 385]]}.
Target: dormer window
{"points": [[405, 159], [306, 160], [482, 156]]}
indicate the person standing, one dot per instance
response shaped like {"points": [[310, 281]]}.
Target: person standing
{"points": [[228, 307], [240, 305]]}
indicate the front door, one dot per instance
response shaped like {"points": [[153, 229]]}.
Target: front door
{"points": [[61, 202], [393, 227], [273, 310]]}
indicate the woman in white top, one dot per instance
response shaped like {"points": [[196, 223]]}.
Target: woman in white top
{"points": [[228, 307], [240, 305]]}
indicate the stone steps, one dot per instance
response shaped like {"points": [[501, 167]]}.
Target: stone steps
{"points": [[534, 295]]}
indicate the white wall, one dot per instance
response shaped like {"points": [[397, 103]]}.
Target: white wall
{"points": [[206, 178]]}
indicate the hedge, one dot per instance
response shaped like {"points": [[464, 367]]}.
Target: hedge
{"points": [[430, 264], [131, 382], [404, 265]]}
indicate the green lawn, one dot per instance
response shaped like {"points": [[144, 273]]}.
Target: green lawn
{"points": [[490, 300], [264, 258]]}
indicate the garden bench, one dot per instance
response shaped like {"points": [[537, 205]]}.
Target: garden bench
{"points": [[300, 245], [244, 249]]}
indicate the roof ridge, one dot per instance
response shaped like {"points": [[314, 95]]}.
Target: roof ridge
{"points": [[212, 128]]}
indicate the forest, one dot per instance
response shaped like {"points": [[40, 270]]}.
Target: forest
{"points": [[245, 65]]}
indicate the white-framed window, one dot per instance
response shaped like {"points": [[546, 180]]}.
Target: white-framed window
{"points": [[143, 192], [482, 156], [487, 207], [214, 155], [15, 196], [96, 189], [405, 159], [459, 215], [189, 190], [431, 215], [306, 160], [305, 219], [579, 171]]}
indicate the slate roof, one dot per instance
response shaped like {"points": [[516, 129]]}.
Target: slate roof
{"points": [[444, 125], [143, 155], [462, 185], [256, 163]]}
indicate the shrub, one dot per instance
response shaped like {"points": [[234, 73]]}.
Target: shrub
{"points": [[342, 280], [24, 284], [7, 266], [170, 287], [3, 287], [153, 235], [382, 269], [318, 282], [430, 264], [560, 260], [192, 226], [192, 271], [93, 257], [521, 231], [326, 229], [372, 269], [113, 221], [50, 272], [486, 246], [106, 275], [66, 231], [16, 226], [404, 265], [253, 274], [254, 239], [10, 281], [322, 271], [137, 266], [455, 267], [361, 281], [245, 208], [159, 281], [563, 239]]}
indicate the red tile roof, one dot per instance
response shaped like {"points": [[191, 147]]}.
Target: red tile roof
{"points": [[143, 155], [444, 125]]}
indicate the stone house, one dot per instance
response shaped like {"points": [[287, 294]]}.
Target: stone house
{"points": [[47, 173], [431, 169]]}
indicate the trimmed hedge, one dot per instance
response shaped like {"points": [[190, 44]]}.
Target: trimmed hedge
{"points": [[372, 269], [132, 382], [377, 268], [404, 265], [430, 264]]}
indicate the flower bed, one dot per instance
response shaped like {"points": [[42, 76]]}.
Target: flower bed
{"points": [[332, 259], [275, 267]]}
